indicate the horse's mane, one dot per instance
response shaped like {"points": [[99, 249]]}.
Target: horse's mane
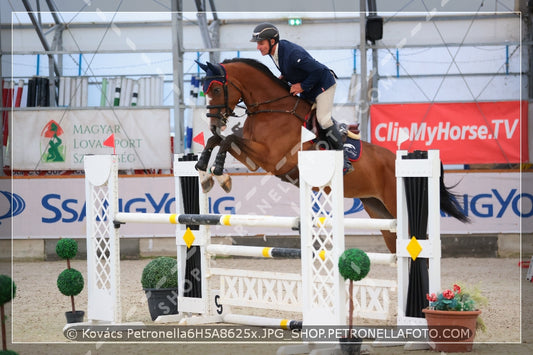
{"points": [[261, 67]]}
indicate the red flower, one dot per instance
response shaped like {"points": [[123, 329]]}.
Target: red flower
{"points": [[456, 288], [432, 298], [448, 294]]}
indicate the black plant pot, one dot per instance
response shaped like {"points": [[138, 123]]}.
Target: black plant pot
{"points": [[162, 301], [76, 317], [350, 346]]}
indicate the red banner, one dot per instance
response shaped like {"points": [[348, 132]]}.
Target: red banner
{"points": [[465, 133]]}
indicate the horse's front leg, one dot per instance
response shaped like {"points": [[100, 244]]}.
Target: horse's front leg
{"points": [[206, 178], [218, 168]]}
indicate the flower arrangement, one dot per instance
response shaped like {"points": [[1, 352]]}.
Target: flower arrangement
{"points": [[458, 298], [451, 300]]}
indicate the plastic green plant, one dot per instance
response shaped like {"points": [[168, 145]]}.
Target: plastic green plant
{"points": [[70, 282], [354, 265], [8, 290], [160, 273], [67, 248]]}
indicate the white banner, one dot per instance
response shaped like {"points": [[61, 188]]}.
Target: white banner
{"points": [[55, 207], [58, 139]]}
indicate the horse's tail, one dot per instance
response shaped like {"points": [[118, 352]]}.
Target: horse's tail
{"points": [[448, 200]]}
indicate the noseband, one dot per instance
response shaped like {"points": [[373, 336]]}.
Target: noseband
{"points": [[224, 111]]}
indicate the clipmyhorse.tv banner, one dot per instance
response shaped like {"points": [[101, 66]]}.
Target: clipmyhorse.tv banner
{"points": [[465, 133], [59, 139]]}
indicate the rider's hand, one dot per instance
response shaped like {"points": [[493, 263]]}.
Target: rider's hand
{"points": [[296, 89]]}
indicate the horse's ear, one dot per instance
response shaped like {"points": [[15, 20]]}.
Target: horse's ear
{"points": [[213, 68], [203, 66]]}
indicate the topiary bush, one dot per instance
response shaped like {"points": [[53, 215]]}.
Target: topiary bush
{"points": [[7, 292], [67, 248], [70, 282], [8, 352], [161, 272], [354, 264], [8, 289]]}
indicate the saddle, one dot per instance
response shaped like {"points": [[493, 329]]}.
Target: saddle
{"points": [[350, 134]]}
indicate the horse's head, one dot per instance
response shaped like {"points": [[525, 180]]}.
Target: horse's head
{"points": [[221, 98]]}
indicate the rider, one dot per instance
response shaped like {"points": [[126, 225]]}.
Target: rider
{"points": [[313, 80]]}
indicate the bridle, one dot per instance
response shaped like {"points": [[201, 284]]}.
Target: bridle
{"points": [[224, 111]]}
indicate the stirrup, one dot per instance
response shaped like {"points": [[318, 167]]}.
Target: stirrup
{"points": [[347, 166], [346, 170]]}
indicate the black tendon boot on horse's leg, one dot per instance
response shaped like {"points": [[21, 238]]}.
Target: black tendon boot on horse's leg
{"points": [[218, 170], [218, 167], [201, 165], [334, 138]]}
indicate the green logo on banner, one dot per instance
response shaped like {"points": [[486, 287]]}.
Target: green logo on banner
{"points": [[52, 148]]}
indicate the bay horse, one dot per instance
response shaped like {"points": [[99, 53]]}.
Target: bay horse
{"points": [[271, 139]]}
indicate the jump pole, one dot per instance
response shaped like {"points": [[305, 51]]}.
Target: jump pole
{"points": [[293, 253], [247, 220]]}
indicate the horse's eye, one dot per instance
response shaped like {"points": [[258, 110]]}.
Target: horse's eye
{"points": [[216, 91]]}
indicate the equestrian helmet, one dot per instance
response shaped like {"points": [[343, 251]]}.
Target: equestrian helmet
{"points": [[264, 31]]}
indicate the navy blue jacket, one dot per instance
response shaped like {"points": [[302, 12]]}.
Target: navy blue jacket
{"points": [[297, 66]]}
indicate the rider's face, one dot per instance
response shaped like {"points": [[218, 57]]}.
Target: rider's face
{"points": [[263, 46]]}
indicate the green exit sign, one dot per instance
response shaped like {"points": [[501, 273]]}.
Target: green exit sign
{"points": [[295, 21]]}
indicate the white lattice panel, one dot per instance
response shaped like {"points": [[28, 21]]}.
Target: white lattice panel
{"points": [[103, 250], [282, 291], [259, 289], [323, 269], [322, 230], [372, 298]]}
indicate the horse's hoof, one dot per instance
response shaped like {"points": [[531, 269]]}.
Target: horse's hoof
{"points": [[224, 182], [207, 185], [226, 186], [206, 181]]}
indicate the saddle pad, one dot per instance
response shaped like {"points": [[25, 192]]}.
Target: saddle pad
{"points": [[353, 148]]}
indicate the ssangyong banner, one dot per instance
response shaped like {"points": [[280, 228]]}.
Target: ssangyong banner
{"points": [[465, 133], [59, 139], [54, 207]]}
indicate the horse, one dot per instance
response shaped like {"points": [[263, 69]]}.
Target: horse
{"points": [[271, 140]]}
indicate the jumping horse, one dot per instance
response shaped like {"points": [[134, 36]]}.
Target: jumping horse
{"points": [[271, 139]]}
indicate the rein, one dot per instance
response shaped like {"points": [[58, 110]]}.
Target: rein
{"points": [[292, 112]]}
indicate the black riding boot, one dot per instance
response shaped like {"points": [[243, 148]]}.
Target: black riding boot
{"points": [[334, 138]]}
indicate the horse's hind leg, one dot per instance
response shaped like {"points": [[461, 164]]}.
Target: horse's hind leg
{"points": [[376, 209], [238, 147]]}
